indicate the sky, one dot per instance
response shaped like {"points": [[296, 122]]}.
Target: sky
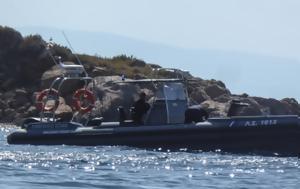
{"points": [[267, 28]]}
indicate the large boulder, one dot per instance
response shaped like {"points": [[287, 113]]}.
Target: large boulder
{"points": [[292, 104], [50, 75], [220, 108], [7, 83], [199, 95], [215, 109], [8, 98], [21, 97], [68, 87], [224, 98], [99, 71], [111, 94], [275, 107], [215, 90], [9, 115], [3, 104]]}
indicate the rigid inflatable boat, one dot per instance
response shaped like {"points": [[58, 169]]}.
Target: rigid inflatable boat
{"points": [[273, 134], [167, 125]]}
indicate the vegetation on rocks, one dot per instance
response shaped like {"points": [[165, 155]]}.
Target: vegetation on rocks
{"points": [[26, 67]]}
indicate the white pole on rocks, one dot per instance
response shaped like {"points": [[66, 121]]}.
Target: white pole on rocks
{"points": [[74, 52]]}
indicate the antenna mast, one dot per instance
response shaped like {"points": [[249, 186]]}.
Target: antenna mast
{"points": [[74, 52]]}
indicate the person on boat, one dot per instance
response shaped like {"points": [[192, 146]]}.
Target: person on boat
{"points": [[140, 108]]}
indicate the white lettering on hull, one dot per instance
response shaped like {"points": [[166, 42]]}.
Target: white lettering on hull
{"points": [[268, 122]]}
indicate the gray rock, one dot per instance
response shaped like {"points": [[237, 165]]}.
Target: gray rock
{"points": [[8, 83], [32, 111], [21, 109], [112, 95], [275, 106], [212, 94], [8, 95], [3, 104], [8, 115], [224, 98], [215, 109], [50, 75], [215, 91], [219, 83], [292, 104], [67, 88], [21, 97], [21, 92], [199, 95], [99, 71]]}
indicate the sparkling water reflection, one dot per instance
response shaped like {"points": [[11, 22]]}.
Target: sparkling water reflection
{"points": [[25, 166]]}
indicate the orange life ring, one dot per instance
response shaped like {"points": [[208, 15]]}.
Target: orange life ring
{"points": [[79, 96], [41, 105]]}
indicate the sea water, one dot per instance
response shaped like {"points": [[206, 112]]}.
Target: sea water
{"points": [[27, 166]]}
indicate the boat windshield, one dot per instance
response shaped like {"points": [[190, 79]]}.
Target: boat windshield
{"points": [[174, 91]]}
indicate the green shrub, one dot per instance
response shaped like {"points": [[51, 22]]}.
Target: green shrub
{"points": [[10, 39]]}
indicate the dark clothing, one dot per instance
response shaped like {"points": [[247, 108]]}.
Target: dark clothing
{"points": [[195, 114], [140, 108], [122, 115]]}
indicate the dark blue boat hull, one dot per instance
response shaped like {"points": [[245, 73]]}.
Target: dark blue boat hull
{"points": [[273, 135]]}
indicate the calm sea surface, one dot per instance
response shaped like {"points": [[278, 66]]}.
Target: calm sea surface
{"points": [[25, 166]]}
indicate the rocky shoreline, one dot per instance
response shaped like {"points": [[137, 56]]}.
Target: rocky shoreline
{"points": [[25, 68], [19, 103]]}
